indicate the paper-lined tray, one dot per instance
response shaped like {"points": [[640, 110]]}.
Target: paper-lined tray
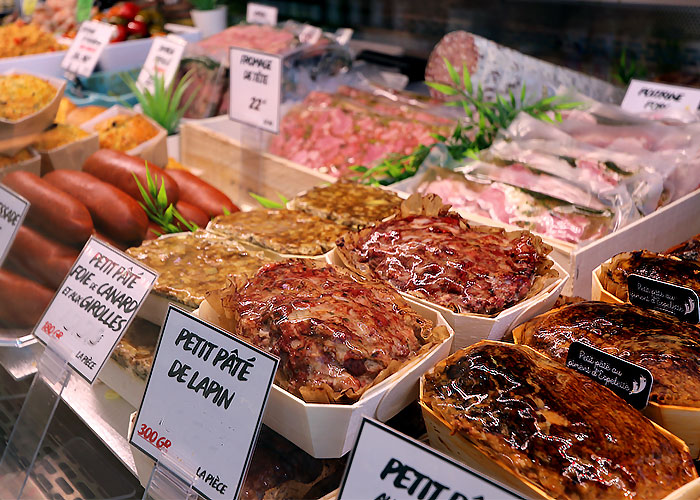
{"points": [[32, 165], [18, 134], [471, 328], [683, 421], [154, 150]]}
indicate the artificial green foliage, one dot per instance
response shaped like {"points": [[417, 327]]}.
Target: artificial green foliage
{"points": [[485, 119], [268, 203], [158, 208], [164, 105]]}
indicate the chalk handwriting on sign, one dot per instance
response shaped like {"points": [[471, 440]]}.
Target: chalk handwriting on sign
{"points": [[387, 465], [629, 381], [13, 209], [163, 59], [94, 305], [650, 293], [652, 96], [261, 14], [87, 47], [204, 402], [256, 87]]}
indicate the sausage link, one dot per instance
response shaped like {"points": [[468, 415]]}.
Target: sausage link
{"points": [[201, 194], [118, 169], [191, 213], [115, 213], [22, 301], [52, 210], [45, 260]]}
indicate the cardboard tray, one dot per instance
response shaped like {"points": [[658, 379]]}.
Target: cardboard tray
{"points": [[214, 148], [442, 438], [330, 430], [683, 421], [18, 134], [70, 156], [32, 165], [471, 328], [154, 150]]}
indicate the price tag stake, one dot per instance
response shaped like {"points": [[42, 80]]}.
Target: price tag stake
{"points": [[386, 465], [261, 14], [163, 59], [87, 47], [651, 96], [13, 209], [204, 402], [94, 306], [255, 92]]}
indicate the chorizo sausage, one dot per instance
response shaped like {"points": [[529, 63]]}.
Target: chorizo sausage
{"points": [[22, 301], [119, 169], [201, 194], [114, 212], [52, 210], [192, 214], [41, 258]]}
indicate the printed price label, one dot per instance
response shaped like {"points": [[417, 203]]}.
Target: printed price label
{"points": [[310, 34], [256, 87], [629, 381], [668, 298], [86, 49], [204, 402], [261, 14], [13, 209], [94, 305], [163, 59], [650, 96], [387, 465]]}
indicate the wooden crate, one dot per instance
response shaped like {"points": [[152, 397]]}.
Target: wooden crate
{"points": [[214, 149]]}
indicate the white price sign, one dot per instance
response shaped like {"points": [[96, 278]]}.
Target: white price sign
{"points": [[163, 59], [651, 96], [386, 465], [86, 49], [204, 403], [261, 14], [255, 88], [310, 34], [94, 305], [13, 209]]}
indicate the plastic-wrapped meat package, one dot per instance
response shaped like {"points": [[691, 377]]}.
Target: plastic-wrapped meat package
{"points": [[617, 179], [331, 133], [661, 174], [537, 212], [209, 60]]}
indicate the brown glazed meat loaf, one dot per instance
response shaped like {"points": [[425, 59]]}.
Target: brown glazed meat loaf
{"points": [[670, 269], [561, 430], [667, 347]]}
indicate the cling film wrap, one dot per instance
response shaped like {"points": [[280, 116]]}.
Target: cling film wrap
{"points": [[664, 158], [303, 64]]}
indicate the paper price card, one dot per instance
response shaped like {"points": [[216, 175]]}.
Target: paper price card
{"points": [[256, 87], [163, 59], [13, 209], [387, 465], [310, 34], [651, 96], [261, 14], [204, 402], [86, 49], [94, 305]]}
